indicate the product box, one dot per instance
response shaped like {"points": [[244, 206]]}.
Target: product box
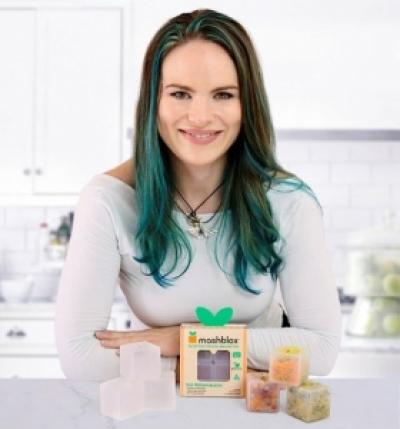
{"points": [[213, 360]]}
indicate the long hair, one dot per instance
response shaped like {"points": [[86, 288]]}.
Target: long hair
{"points": [[251, 169]]}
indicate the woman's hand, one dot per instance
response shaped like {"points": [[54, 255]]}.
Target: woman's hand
{"points": [[167, 338]]}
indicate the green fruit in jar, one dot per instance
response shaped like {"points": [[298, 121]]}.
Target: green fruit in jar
{"points": [[391, 284], [385, 304], [365, 324], [372, 284], [387, 266], [391, 324], [371, 326]]}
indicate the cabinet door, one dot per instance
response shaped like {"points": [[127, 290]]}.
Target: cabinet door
{"points": [[30, 367], [16, 100], [78, 130]]}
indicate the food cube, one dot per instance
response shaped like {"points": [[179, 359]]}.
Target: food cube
{"points": [[160, 394], [289, 365], [140, 361], [261, 394], [309, 401], [121, 399]]}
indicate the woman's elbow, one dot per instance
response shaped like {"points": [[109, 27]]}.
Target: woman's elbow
{"points": [[84, 359], [75, 368], [71, 371], [323, 360]]}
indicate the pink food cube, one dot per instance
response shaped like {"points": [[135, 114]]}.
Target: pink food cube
{"points": [[140, 361], [261, 394], [121, 399]]}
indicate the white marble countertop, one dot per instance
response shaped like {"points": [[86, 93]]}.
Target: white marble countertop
{"points": [[64, 404]]}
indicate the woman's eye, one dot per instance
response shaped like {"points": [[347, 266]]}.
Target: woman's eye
{"points": [[227, 95], [221, 95], [177, 94]]}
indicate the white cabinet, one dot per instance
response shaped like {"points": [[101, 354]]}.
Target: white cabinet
{"points": [[17, 43], [79, 95], [62, 99], [30, 367], [27, 343]]}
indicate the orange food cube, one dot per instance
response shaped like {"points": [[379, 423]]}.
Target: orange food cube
{"points": [[289, 365]]}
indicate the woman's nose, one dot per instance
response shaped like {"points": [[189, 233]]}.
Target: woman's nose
{"points": [[200, 111]]}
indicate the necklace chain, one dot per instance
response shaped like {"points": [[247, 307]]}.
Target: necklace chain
{"points": [[196, 224]]}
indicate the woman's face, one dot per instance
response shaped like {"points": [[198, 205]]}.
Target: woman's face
{"points": [[199, 111]]}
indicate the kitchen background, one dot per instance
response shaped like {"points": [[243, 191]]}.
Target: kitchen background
{"points": [[69, 81]]}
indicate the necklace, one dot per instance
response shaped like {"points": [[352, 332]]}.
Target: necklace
{"points": [[196, 226]]}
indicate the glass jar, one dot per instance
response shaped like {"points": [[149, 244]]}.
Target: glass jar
{"points": [[373, 276]]}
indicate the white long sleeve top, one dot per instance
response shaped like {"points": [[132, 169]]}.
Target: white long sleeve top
{"points": [[100, 256]]}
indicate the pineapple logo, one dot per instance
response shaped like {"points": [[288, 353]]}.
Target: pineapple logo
{"points": [[192, 337]]}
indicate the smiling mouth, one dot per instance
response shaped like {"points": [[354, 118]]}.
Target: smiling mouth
{"points": [[199, 134], [200, 137]]}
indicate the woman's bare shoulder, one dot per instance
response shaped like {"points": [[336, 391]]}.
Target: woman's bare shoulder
{"points": [[124, 172]]}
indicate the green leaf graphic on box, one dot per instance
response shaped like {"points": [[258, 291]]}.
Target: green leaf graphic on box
{"points": [[206, 317], [224, 316], [191, 333]]}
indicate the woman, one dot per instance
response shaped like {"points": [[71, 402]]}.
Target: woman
{"points": [[202, 214]]}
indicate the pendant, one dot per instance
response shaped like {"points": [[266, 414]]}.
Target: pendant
{"points": [[199, 231], [194, 231], [195, 228], [208, 232]]}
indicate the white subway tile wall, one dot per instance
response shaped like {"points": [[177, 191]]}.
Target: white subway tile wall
{"points": [[355, 182], [19, 235]]}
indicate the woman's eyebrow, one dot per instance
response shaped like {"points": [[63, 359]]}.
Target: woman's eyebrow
{"points": [[221, 88]]}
